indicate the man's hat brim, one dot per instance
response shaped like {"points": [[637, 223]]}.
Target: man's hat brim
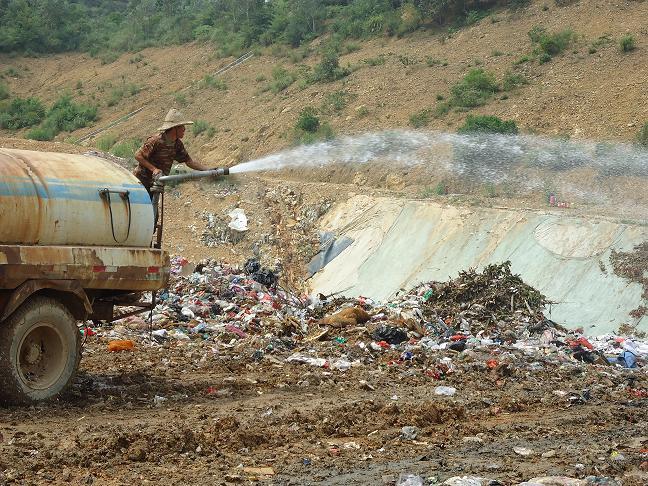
{"points": [[167, 125]]}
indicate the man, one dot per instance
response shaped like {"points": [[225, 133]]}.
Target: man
{"points": [[158, 153]]}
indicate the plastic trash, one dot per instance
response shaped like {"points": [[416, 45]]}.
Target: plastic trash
{"points": [[341, 364], [467, 481], [447, 391], [121, 345], [239, 220], [523, 451], [405, 479], [390, 334], [409, 432]]}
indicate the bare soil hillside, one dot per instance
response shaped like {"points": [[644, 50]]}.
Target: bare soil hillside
{"points": [[580, 93]]}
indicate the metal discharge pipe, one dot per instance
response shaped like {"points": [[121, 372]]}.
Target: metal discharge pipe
{"points": [[194, 175]]}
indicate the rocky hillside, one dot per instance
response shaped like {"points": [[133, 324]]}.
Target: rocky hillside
{"points": [[575, 80]]}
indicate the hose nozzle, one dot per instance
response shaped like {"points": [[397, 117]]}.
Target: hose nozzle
{"points": [[194, 175]]}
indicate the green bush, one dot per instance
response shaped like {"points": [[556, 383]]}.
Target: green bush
{"points": [[210, 81], [66, 116], [22, 113], [115, 96], [544, 58], [43, 133], [375, 61], [628, 43], [410, 19], [4, 91], [329, 69], [475, 89], [642, 136], [181, 99], [108, 57], [407, 61], [309, 128], [420, 118], [126, 149], [350, 47], [513, 80], [335, 102], [281, 79], [550, 44], [106, 142], [324, 132], [308, 120], [199, 127], [488, 124]]}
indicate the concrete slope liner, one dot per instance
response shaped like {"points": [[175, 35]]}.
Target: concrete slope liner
{"points": [[398, 244]]}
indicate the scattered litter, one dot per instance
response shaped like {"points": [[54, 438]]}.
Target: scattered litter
{"points": [[239, 220], [121, 345], [523, 451], [447, 391], [409, 433]]}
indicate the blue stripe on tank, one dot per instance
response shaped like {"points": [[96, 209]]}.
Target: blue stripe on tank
{"points": [[55, 190]]}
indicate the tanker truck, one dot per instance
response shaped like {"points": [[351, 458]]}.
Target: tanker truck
{"points": [[75, 245]]}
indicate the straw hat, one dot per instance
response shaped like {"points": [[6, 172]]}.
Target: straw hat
{"points": [[174, 119]]}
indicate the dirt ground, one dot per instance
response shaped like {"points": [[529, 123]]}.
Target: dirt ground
{"points": [[225, 411], [222, 411]]}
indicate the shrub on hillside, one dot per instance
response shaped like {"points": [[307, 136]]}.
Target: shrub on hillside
{"points": [[410, 19], [22, 113], [281, 79], [329, 69], [200, 126], [67, 116], [375, 61], [126, 149], [336, 102], [551, 44], [475, 89], [210, 81], [64, 116], [488, 124], [628, 43], [513, 80], [105, 142], [4, 91], [642, 136], [309, 128], [42, 134], [420, 118], [308, 120]]}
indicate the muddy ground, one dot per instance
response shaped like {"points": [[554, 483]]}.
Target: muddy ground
{"points": [[227, 409]]}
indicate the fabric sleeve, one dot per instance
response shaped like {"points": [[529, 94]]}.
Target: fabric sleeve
{"points": [[148, 148], [181, 152]]}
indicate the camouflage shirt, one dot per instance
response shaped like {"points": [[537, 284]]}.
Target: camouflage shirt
{"points": [[161, 153]]}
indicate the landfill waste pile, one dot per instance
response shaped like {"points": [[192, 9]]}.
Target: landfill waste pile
{"points": [[476, 311], [235, 378]]}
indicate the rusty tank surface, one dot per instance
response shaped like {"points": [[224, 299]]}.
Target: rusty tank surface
{"points": [[63, 199], [75, 245]]}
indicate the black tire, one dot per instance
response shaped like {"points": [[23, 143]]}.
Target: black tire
{"points": [[39, 351]]}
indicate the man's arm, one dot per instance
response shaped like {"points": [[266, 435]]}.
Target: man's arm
{"points": [[196, 165], [146, 164]]}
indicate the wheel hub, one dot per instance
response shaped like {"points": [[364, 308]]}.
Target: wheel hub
{"points": [[42, 356], [33, 353]]}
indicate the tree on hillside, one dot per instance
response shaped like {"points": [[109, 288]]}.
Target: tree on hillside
{"points": [[294, 21]]}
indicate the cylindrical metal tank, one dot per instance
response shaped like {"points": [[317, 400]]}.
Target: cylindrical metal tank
{"points": [[62, 199]]}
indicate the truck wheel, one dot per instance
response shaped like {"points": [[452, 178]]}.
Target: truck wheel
{"points": [[39, 351]]}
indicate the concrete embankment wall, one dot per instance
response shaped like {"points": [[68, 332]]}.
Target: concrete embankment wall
{"points": [[401, 243]]}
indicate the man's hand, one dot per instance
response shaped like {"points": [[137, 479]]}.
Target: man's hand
{"points": [[156, 172]]}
